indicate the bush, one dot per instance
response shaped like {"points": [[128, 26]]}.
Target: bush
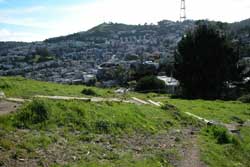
{"points": [[220, 134], [150, 84], [245, 98], [34, 113], [89, 92]]}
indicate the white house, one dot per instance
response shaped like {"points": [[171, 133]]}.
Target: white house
{"points": [[172, 85]]}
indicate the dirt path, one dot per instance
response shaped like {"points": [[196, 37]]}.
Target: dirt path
{"points": [[7, 107], [191, 155], [189, 150]]}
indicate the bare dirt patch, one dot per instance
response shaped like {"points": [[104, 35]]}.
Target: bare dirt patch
{"points": [[7, 107], [177, 147], [190, 152]]}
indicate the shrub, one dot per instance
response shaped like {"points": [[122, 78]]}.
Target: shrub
{"points": [[245, 98], [89, 92], [220, 134], [150, 84], [34, 113]]}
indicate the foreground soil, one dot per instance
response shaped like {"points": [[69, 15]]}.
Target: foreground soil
{"points": [[7, 107]]}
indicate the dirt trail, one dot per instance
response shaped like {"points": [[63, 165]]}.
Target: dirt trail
{"points": [[7, 107], [190, 155]]}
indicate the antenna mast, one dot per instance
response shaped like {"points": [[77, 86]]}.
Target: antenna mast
{"points": [[183, 11]]}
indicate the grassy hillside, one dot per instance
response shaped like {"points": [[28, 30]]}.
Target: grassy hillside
{"points": [[20, 87], [219, 148], [94, 134], [75, 133]]}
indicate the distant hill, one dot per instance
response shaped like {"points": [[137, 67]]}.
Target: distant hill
{"points": [[102, 30], [72, 55], [242, 25]]}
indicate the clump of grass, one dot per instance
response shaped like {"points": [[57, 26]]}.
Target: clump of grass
{"points": [[6, 144], [36, 112], [168, 106], [237, 119], [89, 92], [103, 126], [31, 142], [5, 85], [220, 134]]}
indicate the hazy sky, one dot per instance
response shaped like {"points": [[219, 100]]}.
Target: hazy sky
{"points": [[34, 20]]}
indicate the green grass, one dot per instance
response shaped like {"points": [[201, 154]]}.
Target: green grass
{"points": [[79, 127], [217, 110], [222, 111], [233, 153], [87, 130], [106, 117], [20, 87]]}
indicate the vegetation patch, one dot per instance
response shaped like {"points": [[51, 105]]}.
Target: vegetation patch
{"points": [[245, 98], [221, 149], [79, 133], [217, 110], [26, 88], [221, 135], [89, 92], [36, 112], [150, 84]]}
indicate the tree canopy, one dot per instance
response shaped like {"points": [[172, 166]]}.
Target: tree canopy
{"points": [[205, 62], [150, 84]]}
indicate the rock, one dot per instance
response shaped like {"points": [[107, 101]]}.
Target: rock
{"points": [[247, 123], [2, 95], [121, 91], [74, 158]]}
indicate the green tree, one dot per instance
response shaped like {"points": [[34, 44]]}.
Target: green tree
{"points": [[205, 62], [150, 84]]}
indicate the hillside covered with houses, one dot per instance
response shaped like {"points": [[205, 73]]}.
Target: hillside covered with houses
{"points": [[109, 54]]}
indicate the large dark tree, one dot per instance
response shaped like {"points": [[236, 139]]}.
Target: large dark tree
{"points": [[206, 62]]}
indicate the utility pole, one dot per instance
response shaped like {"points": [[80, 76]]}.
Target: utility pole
{"points": [[183, 11]]}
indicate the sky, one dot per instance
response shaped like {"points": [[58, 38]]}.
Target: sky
{"points": [[36, 20]]}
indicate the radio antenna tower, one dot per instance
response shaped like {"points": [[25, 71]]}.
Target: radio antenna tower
{"points": [[183, 11]]}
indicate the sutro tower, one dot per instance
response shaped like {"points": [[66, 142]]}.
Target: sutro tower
{"points": [[183, 11]]}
